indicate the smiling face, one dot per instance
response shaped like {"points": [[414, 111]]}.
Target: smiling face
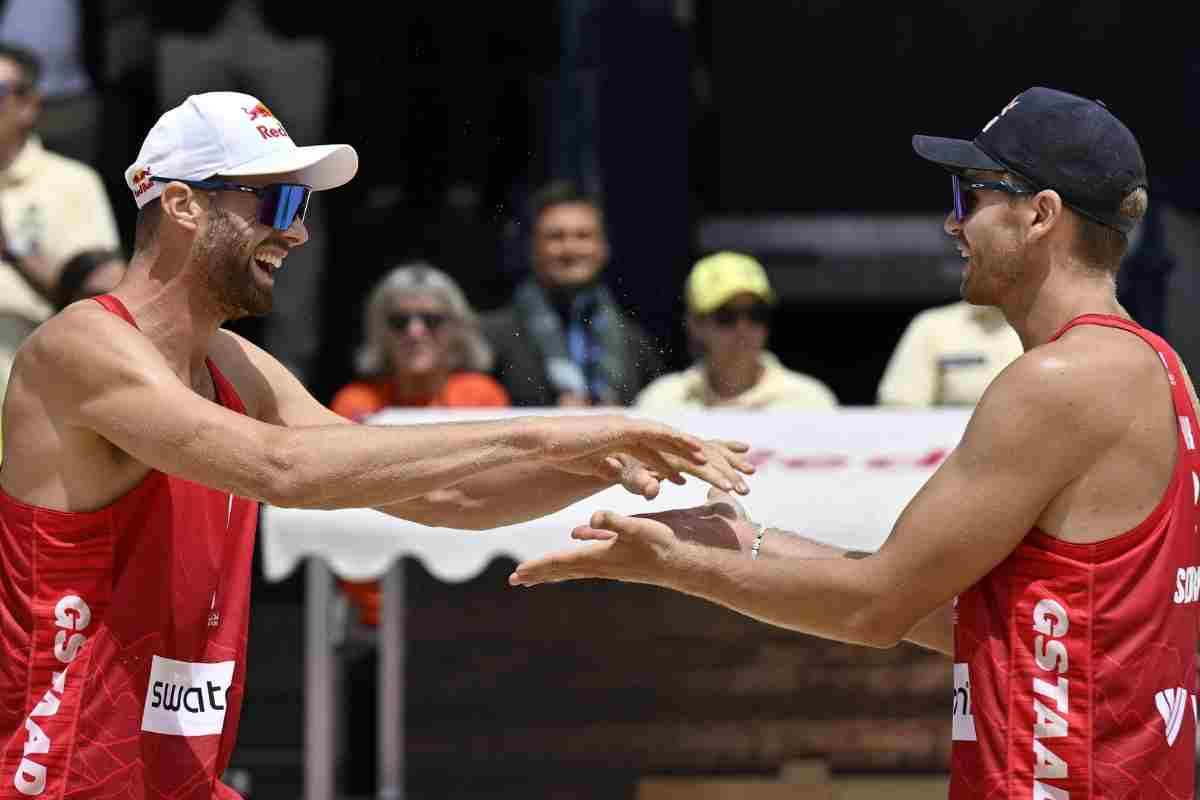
{"points": [[569, 246], [990, 241], [241, 255]]}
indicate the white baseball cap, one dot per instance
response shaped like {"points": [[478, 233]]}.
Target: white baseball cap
{"points": [[230, 134]]}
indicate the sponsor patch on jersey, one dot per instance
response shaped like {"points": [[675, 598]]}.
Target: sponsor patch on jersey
{"points": [[185, 698], [963, 717], [1172, 705]]}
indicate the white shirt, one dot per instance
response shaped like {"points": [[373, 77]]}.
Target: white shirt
{"points": [[948, 356], [779, 387]]}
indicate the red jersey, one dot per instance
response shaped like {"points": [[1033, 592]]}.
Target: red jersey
{"points": [[1075, 673], [123, 639]]}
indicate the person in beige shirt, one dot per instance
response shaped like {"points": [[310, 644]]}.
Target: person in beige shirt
{"points": [[729, 303], [51, 208], [948, 356]]}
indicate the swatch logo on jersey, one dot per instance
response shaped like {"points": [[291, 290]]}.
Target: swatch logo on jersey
{"points": [[185, 698]]}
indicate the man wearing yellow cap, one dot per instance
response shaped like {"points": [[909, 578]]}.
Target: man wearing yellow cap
{"points": [[729, 303]]}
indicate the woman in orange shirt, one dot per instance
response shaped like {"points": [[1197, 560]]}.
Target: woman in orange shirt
{"points": [[422, 347]]}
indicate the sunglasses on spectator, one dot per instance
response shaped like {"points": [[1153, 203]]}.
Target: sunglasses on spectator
{"points": [[965, 199], [727, 316], [400, 320], [279, 204]]}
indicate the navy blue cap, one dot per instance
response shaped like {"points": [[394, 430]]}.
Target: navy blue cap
{"points": [[1059, 141]]}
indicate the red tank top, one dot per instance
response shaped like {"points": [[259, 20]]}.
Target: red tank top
{"points": [[1075, 673], [123, 639]]}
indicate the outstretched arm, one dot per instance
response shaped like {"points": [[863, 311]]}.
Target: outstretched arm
{"points": [[506, 494], [103, 376], [521, 492], [969, 516]]}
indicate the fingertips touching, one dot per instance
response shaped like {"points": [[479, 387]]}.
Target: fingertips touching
{"points": [[585, 533]]}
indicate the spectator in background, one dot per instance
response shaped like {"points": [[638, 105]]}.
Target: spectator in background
{"points": [[563, 341], [51, 207], [69, 122], [87, 274], [948, 356], [729, 302], [422, 347]]}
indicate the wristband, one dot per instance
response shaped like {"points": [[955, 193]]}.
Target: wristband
{"points": [[758, 540]]}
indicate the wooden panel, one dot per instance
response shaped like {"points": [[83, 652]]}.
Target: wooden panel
{"points": [[728, 789]]}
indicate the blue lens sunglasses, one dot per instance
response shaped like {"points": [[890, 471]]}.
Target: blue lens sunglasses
{"points": [[279, 204], [964, 193]]}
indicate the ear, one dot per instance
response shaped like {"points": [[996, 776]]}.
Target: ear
{"points": [[181, 206], [1048, 212]]}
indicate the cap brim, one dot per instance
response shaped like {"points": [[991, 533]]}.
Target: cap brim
{"points": [[321, 166], [955, 154]]}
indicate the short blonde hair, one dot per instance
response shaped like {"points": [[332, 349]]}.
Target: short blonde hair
{"points": [[419, 277]]}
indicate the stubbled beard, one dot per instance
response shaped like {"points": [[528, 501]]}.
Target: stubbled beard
{"points": [[228, 275]]}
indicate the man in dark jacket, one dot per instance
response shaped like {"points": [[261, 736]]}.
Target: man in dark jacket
{"points": [[563, 341]]}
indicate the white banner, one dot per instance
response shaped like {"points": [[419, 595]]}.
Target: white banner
{"points": [[839, 476]]}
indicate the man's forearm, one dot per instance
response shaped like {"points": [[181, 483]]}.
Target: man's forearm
{"points": [[502, 496], [357, 466], [772, 588]]}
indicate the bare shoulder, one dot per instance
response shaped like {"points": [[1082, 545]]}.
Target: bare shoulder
{"points": [[1087, 386], [83, 343]]}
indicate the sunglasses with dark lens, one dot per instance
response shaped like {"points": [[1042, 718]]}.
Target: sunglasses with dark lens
{"points": [[727, 317], [280, 205], [400, 320], [965, 199]]}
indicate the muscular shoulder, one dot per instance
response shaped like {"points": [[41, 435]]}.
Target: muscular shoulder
{"points": [[81, 337], [1086, 387]]}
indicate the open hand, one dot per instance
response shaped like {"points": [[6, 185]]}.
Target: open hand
{"points": [[725, 463], [646, 548]]}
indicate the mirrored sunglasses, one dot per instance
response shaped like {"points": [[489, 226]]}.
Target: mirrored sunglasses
{"points": [[965, 198], [280, 205]]}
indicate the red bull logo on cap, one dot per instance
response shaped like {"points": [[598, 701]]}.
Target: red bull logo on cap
{"points": [[140, 181], [259, 110]]}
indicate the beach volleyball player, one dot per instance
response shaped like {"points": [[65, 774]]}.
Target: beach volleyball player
{"points": [[140, 436], [1054, 555]]}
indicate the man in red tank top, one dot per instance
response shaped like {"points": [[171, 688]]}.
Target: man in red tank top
{"points": [[140, 437], [1054, 554]]}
